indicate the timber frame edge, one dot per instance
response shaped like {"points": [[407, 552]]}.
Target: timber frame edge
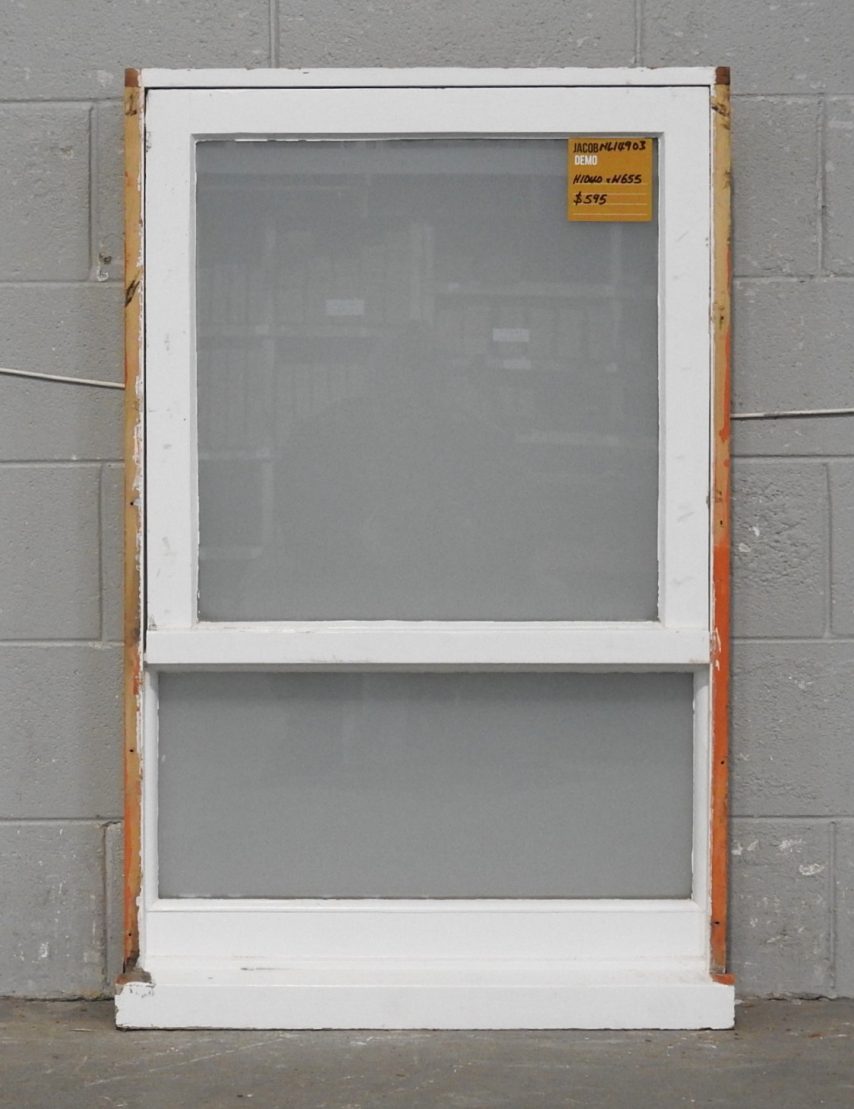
{"points": [[134, 174]]}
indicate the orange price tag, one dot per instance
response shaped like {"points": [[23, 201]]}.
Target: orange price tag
{"points": [[609, 179]]}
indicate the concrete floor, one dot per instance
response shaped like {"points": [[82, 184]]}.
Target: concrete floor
{"points": [[65, 1055]]}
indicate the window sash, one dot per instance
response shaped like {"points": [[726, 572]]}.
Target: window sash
{"points": [[176, 120], [158, 934]]}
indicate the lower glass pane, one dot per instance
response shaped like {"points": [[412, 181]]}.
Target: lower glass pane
{"points": [[425, 785]]}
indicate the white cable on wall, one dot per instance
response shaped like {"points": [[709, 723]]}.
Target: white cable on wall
{"points": [[792, 414], [64, 380]]}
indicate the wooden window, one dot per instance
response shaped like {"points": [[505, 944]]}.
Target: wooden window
{"points": [[429, 680]]}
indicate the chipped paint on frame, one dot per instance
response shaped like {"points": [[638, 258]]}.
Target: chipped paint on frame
{"points": [[134, 99], [721, 481]]}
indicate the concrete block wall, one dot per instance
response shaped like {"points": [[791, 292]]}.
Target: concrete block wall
{"points": [[60, 495]]}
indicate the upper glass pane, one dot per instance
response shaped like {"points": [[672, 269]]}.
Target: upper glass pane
{"points": [[422, 392]]}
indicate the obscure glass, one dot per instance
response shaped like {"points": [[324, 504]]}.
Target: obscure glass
{"points": [[425, 785], [422, 392]]}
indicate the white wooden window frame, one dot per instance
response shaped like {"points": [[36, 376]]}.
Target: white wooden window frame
{"points": [[399, 963]]}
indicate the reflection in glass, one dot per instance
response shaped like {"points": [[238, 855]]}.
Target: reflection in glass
{"points": [[423, 393]]}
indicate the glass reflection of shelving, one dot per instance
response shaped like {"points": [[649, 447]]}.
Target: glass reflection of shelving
{"points": [[312, 298]]}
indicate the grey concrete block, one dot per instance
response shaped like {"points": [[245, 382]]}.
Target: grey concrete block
{"points": [[842, 547], [794, 344], [115, 894], [74, 330], [435, 33], [44, 189], [49, 552], [112, 539], [775, 185], [780, 908], [792, 708], [780, 554], [44, 421], [108, 192], [60, 731], [819, 438], [839, 186], [797, 46], [845, 908], [52, 924], [55, 50]]}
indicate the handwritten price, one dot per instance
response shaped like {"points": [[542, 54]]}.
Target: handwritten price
{"points": [[590, 198]]}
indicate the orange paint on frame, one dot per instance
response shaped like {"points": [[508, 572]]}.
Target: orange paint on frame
{"points": [[721, 484]]}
